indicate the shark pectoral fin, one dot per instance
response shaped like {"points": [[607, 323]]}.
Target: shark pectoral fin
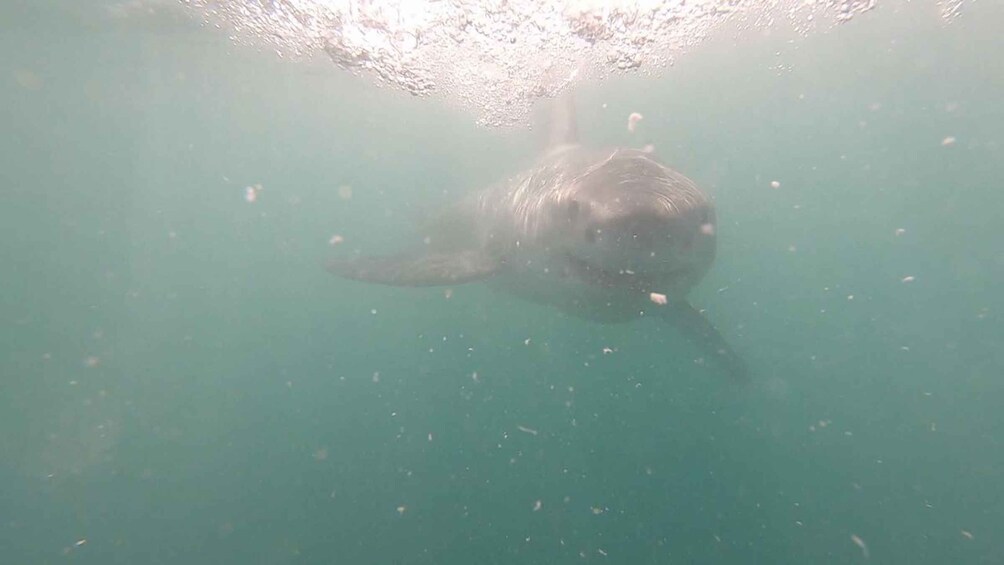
{"points": [[698, 329], [429, 269]]}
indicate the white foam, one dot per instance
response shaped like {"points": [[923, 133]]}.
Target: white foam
{"points": [[497, 57]]}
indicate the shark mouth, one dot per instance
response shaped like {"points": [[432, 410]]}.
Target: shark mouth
{"points": [[627, 279]]}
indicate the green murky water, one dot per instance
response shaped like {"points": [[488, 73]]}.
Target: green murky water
{"points": [[183, 383]]}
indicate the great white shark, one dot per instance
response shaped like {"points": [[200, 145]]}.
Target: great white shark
{"points": [[608, 235]]}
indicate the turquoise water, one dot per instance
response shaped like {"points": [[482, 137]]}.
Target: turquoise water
{"points": [[183, 383]]}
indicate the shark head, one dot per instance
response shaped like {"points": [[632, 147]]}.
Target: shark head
{"points": [[628, 215]]}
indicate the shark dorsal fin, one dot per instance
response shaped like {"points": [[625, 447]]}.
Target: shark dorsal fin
{"points": [[563, 128]]}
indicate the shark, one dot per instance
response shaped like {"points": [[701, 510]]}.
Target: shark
{"points": [[607, 235]]}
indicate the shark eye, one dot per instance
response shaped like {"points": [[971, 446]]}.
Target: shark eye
{"points": [[573, 209]]}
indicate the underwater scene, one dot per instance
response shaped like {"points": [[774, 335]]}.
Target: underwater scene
{"points": [[442, 282]]}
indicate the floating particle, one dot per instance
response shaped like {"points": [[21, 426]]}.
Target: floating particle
{"points": [[536, 505], [401, 509], [345, 192], [633, 120], [80, 542], [708, 229], [596, 510], [474, 377], [607, 351], [430, 436], [321, 454], [336, 239], [948, 141], [659, 299], [792, 249], [376, 376], [860, 543], [900, 231], [527, 430], [775, 184], [27, 80], [92, 361], [601, 552], [874, 106], [908, 279], [226, 528], [966, 534], [448, 293], [251, 194], [850, 297], [526, 341]]}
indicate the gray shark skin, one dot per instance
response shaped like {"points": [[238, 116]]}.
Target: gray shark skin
{"points": [[591, 232]]}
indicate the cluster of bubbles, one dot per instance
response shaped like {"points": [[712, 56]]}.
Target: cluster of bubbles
{"points": [[496, 57]]}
